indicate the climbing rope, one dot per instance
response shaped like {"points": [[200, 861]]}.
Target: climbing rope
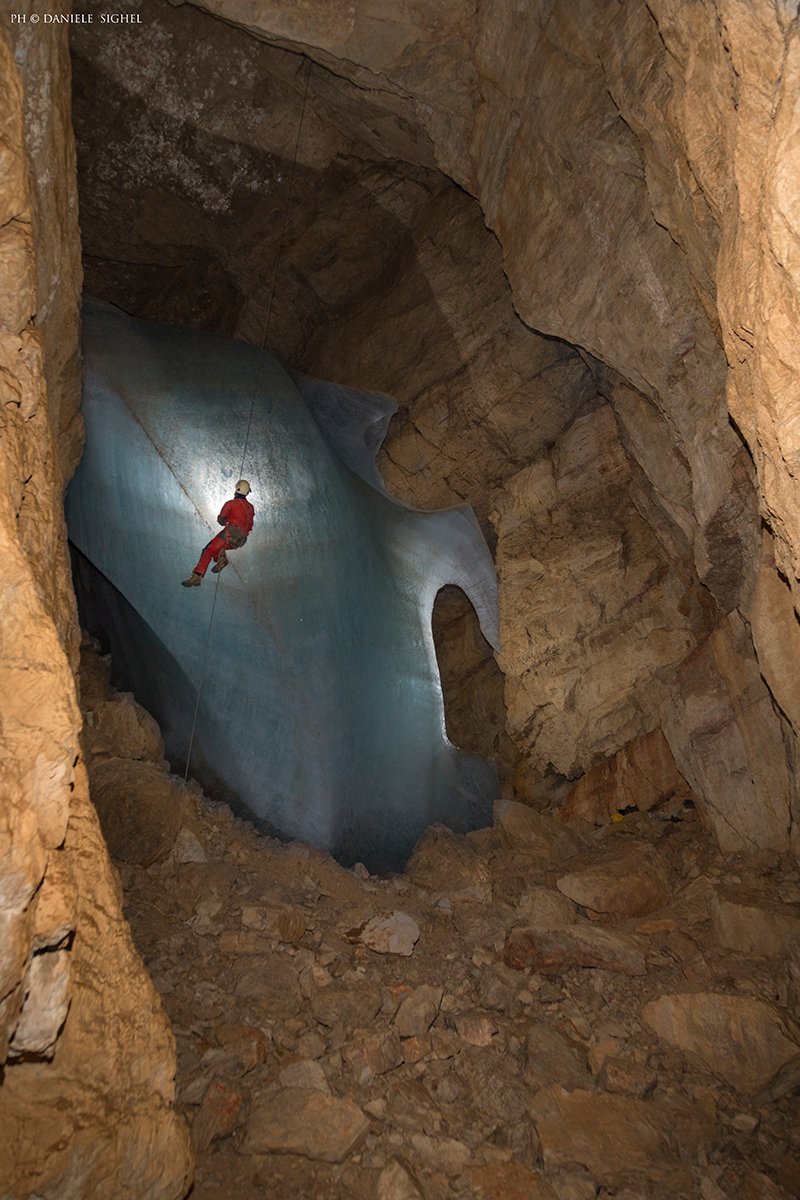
{"points": [[204, 667], [277, 261], [202, 680]]}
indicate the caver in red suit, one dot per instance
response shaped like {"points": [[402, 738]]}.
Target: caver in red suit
{"points": [[237, 517]]}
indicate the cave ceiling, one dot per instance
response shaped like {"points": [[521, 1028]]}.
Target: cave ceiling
{"points": [[186, 135]]}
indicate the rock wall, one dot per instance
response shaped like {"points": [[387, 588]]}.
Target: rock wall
{"points": [[636, 164], [617, 151], [88, 1057]]}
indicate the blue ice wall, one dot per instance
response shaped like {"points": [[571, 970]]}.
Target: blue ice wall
{"points": [[321, 713]]}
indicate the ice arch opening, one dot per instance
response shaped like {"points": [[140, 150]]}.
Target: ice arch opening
{"points": [[319, 705]]}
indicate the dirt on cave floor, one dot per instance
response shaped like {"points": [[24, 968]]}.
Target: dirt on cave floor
{"points": [[530, 1012]]}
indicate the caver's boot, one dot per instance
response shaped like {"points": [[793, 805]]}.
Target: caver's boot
{"points": [[194, 580], [220, 564]]}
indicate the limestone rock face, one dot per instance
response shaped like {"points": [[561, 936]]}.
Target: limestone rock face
{"points": [[593, 620], [489, 94], [641, 775], [727, 742], [86, 1105], [633, 163]]}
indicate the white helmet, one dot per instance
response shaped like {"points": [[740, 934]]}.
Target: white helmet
{"points": [[244, 487]]}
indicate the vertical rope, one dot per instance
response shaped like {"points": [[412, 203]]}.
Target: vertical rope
{"points": [[204, 668], [277, 260], [202, 679]]}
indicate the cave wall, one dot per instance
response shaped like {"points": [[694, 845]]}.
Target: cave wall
{"points": [[615, 150], [636, 164], [87, 1056], [389, 279]]}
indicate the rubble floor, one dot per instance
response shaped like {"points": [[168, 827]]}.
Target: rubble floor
{"points": [[314, 1062]]}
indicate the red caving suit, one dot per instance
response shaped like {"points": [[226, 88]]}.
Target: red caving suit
{"points": [[237, 517]]}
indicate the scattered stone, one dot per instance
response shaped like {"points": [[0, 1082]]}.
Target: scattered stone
{"points": [[187, 848], [411, 1107], [742, 1040], [311, 1045], [305, 1073], [441, 1154], [443, 861], [542, 908], [418, 1011], [273, 985], [579, 945], [302, 1121], [624, 1077], [219, 1113], [476, 1028], [249, 1043], [628, 882], [374, 1054], [417, 1049], [396, 933], [353, 1007], [509, 1181], [551, 1057], [524, 828], [396, 1182]]}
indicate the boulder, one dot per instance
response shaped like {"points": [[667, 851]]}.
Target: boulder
{"points": [[396, 1182], [523, 828], [121, 728], [508, 1181], [550, 1057], [619, 1140], [139, 807], [300, 1121], [628, 882], [543, 908], [760, 930], [353, 1006], [580, 945], [443, 861], [394, 933], [741, 1040], [306, 1074], [417, 1011]]}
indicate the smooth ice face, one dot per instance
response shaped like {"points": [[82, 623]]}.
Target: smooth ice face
{"points": [[321, 712]]}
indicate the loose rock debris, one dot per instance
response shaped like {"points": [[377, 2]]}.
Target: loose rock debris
{"points": [[467, 1030]]}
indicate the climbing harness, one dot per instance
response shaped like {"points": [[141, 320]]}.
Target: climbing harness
{"points": [[204, 668]]}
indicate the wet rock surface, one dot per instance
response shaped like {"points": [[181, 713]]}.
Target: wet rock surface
{"points": [[644, 1056]]}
